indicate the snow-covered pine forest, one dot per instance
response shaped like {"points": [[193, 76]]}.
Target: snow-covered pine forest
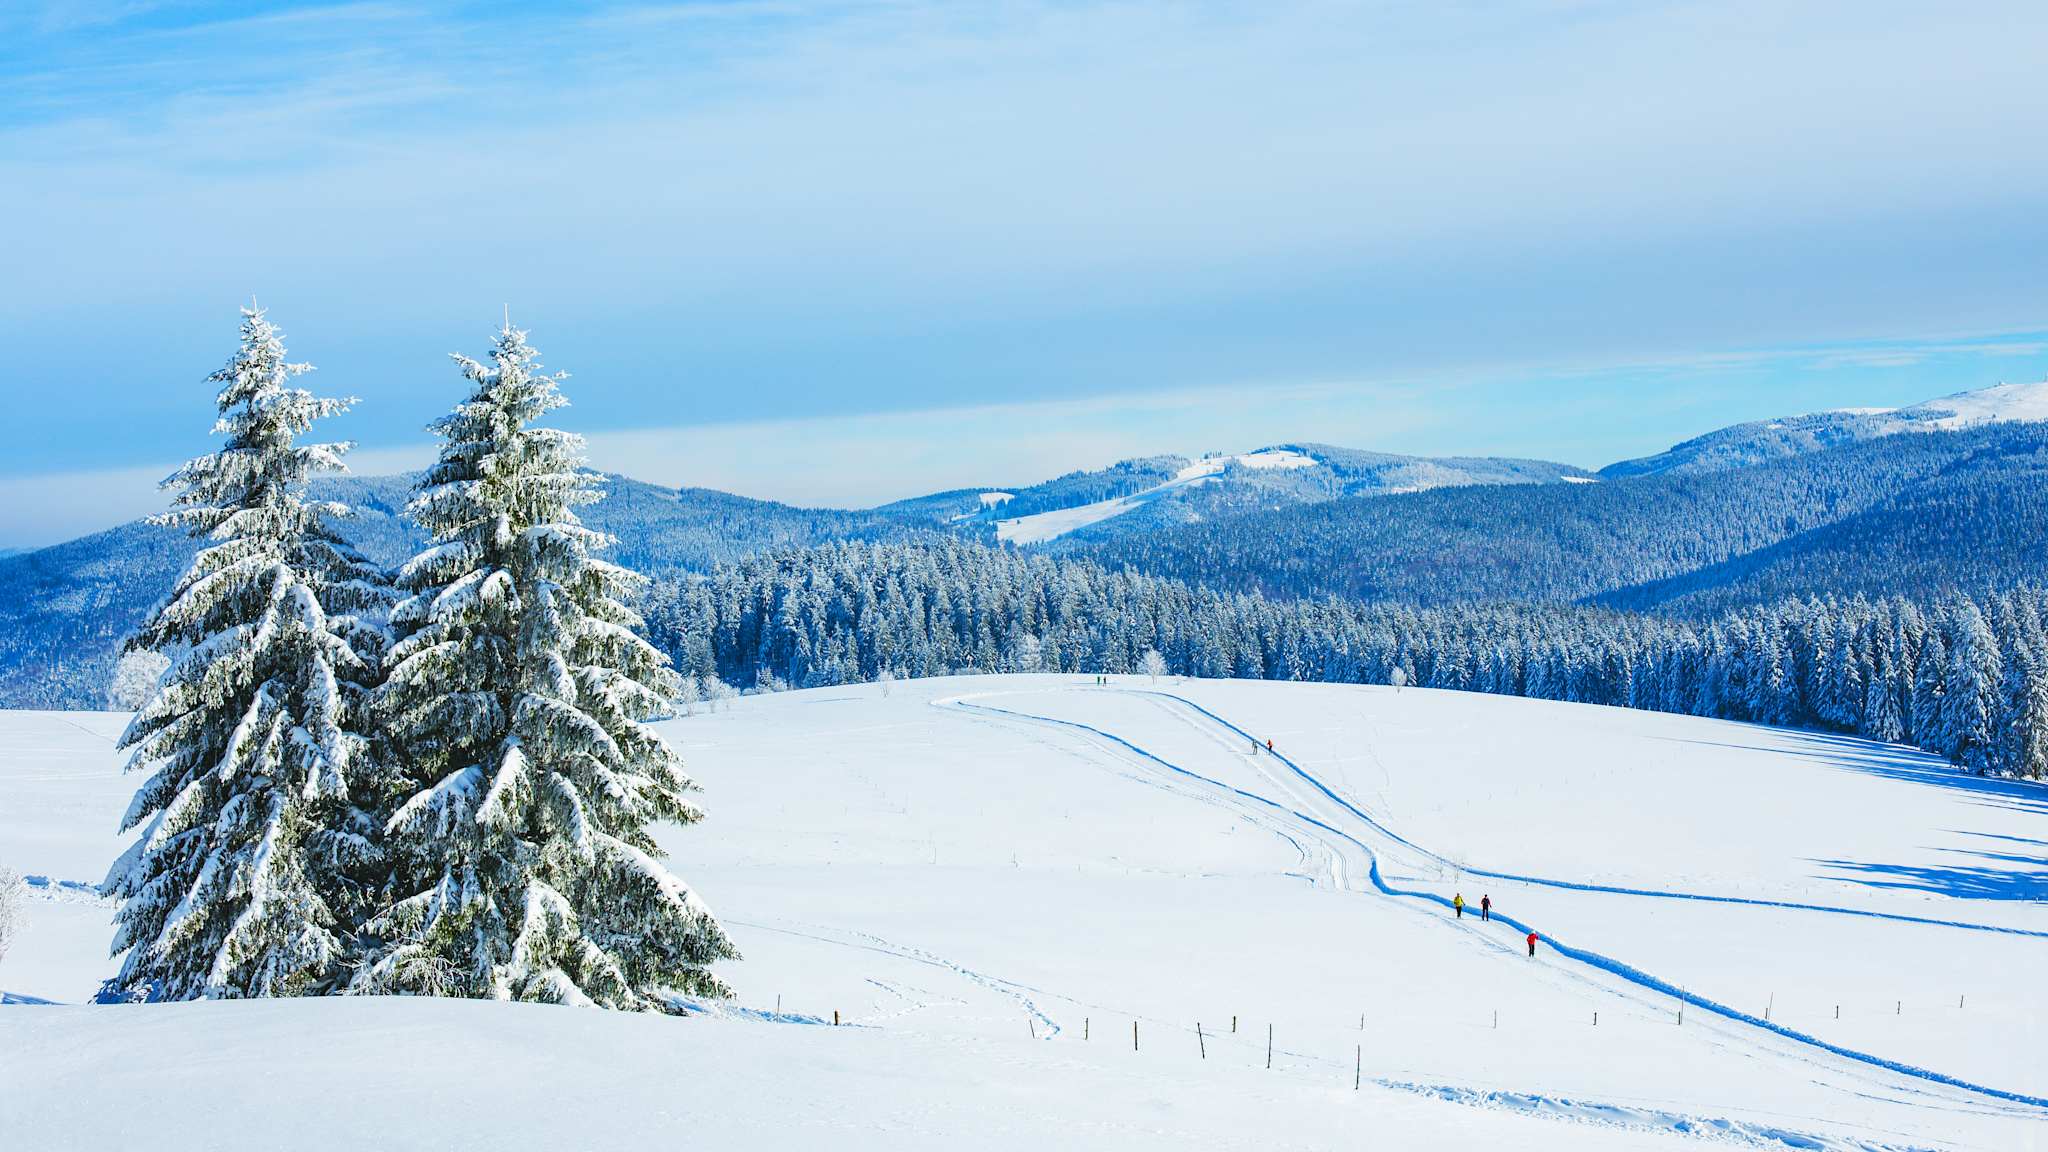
{"points": [[450, 796], [1963, 676]]}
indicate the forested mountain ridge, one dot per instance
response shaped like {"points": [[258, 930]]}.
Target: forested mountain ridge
{"points": [[1978, 525], [1757, 441], [1567, 542]]}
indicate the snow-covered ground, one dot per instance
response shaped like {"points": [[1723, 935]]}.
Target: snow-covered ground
{"points": [[993, 880], [1042, 526]]}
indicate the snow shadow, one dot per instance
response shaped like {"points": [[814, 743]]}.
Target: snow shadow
{"points": [[1890, 762], [1984, 874]]}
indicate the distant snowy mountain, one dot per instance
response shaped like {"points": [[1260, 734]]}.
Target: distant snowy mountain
{"points": [[1739, 445], [1042, 526], [1137, 496]]}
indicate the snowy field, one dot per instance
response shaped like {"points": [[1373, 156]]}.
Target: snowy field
{"points": [[993, 880]]}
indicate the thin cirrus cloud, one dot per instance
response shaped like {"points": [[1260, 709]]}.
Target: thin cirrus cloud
{"points": [[811, 216]]}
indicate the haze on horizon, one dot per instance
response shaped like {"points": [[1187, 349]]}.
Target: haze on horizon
{"points": [[843, 253]]}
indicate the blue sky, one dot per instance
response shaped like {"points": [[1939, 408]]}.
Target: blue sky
{"points": [[839, 253]]}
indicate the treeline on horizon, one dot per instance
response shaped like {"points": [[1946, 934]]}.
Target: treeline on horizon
{"points": [[1961, 675]]}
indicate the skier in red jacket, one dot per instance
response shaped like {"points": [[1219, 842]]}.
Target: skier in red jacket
{"points": [[1532, 943]]}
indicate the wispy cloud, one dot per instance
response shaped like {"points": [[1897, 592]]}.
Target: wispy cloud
{"points": [[742, 214]]}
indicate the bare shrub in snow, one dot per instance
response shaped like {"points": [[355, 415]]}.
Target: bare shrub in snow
{"points": [[135, 679], [10, 907], [717, 691]]}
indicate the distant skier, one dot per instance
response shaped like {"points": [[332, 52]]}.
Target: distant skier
{"points": [[1532, 943], [1486, 907], [1269, 745], [1458, 905]]}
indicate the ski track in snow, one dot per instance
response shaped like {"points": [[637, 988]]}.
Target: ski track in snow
{"points": [[1610, 889], [1638, 1119], [1593, 1113], [1625, 971], [1021, 993]]}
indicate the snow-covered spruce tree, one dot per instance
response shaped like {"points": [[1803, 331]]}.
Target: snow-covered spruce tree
{"points": [[252, 845], [1970, 696], [516, 698]]}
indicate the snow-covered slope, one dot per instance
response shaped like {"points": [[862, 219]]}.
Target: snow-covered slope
{"points": [[1760, 440], [1043, 526], [994, 880], [1998, 404]]}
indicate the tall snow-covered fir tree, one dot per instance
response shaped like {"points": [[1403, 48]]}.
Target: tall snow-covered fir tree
{"points": [[1970, 696], [517, 697], [252, 849]]}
